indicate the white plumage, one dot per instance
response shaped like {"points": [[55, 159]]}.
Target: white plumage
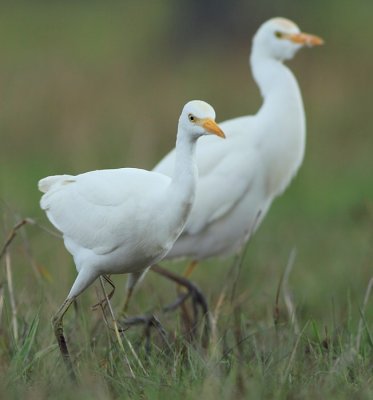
{"points": [[238, 181], [102, 214], [124, 220]]}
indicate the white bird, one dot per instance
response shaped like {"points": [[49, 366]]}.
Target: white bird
{"points": [[238, 182], [124, 220]]}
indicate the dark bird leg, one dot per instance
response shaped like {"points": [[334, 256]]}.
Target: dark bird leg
{"points": [[132, 280], [57, 322], [185, 314], [149, 322], [195, 293], [85, 277]]}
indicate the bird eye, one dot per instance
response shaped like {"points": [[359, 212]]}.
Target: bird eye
{"points": [[278, 34], [191, 118]]}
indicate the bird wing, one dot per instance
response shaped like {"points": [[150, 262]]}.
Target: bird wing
{"points": [[220, 190], [92, 208]]}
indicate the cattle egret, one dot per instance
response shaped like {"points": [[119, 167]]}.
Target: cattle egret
{"points": [[124, 220], [238, 181]]}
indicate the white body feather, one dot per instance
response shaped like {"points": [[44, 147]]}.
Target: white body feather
{"points": [[105, 218]]}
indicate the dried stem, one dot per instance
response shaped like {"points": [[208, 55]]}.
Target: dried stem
{"points": [[116, 329], [13, 234], [293, 353], [1, 301], [215, 315], [287, 295], [361, 322], [283, 284], [239, 259], [28, 251], [13, 305]]}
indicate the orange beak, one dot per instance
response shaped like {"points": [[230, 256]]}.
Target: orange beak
{"points": [[212, 127], [305, 39]]}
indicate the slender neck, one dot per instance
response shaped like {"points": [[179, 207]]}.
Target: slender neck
{"points": [[281, 118], [276, 82], [185, 169]]}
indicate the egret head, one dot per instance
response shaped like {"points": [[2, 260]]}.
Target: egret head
{"points": [[198, 119], [281, 38]]}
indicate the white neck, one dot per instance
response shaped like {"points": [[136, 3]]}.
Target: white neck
{"points": [[184, 178], [276, 82], [281, 96], [185, 168], [282, 119]]}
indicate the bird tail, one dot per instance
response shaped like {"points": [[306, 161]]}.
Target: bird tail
{"points": [[49, 182]]}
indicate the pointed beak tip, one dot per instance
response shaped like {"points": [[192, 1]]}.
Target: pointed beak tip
{"points": [[306, 39], [212, 127], [317, 41]]}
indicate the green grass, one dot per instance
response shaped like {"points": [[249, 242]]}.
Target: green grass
{"points": [[87, 87], [249, 355]]}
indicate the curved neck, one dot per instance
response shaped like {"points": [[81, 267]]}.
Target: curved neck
{"points": [[281, 118], [276, 82]]}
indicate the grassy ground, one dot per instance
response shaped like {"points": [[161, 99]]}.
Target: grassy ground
{"points": [[101, 87]]}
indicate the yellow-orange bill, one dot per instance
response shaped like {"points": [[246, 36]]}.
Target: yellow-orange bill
{"points": [[211, 126], [305, 39]]}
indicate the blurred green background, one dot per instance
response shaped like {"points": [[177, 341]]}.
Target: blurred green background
{"points": [[90, 85]]}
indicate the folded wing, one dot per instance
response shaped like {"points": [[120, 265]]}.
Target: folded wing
{"points": [[91, 208]]}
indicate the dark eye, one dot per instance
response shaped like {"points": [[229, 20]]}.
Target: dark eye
{"points": [[191, 118], [278, 34]]}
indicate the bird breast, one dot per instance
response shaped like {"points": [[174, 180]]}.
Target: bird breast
{"points": [[282, 151]]}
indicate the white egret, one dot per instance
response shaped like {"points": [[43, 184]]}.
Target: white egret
{"points": [[238, 182], [124, 220]]}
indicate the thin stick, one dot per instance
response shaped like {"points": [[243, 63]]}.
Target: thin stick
{"points": [[239, 259], [276, 312], [12, 235], [28, 251], [286, 292], [50, 232], [361, 322], [118, 334], [116, 327], [215, 315], [13, 305], [1, 301], [292, 355], [18, 225]]}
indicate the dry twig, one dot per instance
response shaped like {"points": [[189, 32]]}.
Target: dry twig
{"points": [[1, 301], [287, 295], [361, 322], [13, 234], [13, 305], [116, 329], [283, 284]]}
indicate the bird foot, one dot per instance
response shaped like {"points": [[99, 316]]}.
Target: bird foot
{"points": [[199, 302], [149, 322]]}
